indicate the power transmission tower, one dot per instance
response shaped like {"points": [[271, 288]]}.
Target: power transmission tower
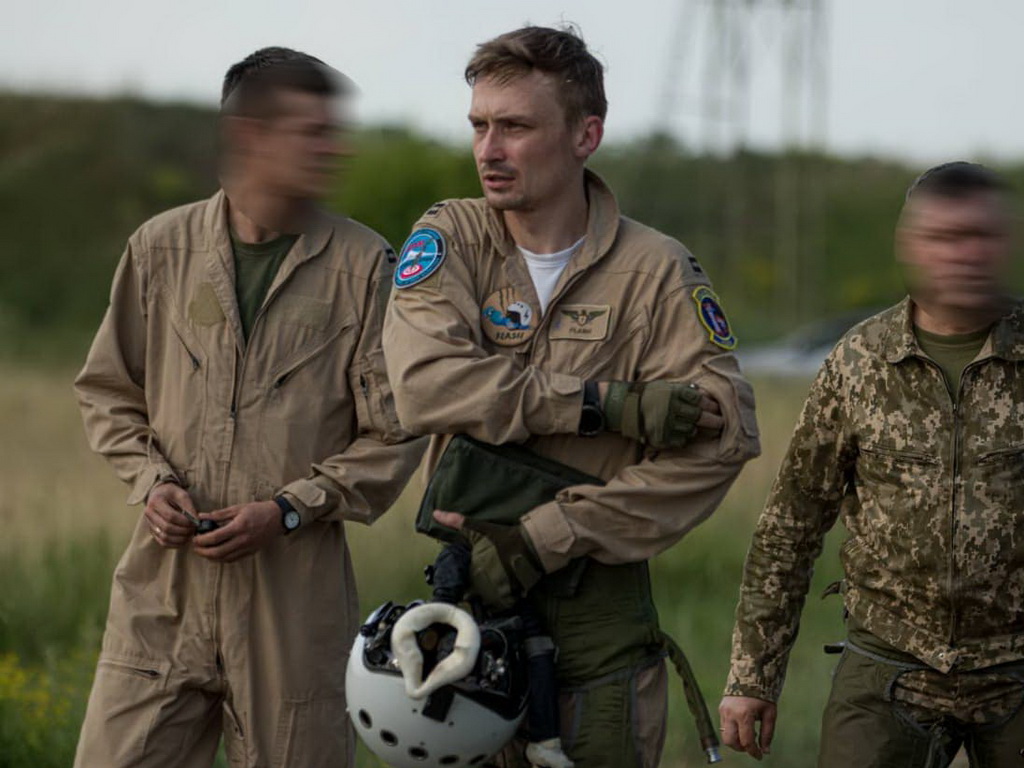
{"points": [[733, 63]]}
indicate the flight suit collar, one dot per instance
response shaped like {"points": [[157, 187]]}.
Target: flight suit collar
{"points": [[221, 263], [602, 225], [1006, 340]]}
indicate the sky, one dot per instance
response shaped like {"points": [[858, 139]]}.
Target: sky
{"points": [[917, 80]]}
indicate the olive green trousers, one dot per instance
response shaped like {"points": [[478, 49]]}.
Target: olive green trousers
{"points": [[614, 722], [888, 714]]}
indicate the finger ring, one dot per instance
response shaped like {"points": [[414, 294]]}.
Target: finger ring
{"points": [[158, 531]]}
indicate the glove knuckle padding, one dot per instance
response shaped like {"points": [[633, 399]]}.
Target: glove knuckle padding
{"points": [[686, 415], [690, 393], [501, 568]]}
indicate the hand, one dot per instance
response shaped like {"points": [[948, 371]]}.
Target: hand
{"points": [[662, 414], [504, 566], [243, 530], [169, 525], [739, 716]]}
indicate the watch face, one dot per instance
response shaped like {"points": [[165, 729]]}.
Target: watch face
{"points": [[591, 421], [292, 520]]}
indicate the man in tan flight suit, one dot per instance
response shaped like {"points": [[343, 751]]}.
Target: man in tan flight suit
{"points": [[517, 318], [238, 378]]}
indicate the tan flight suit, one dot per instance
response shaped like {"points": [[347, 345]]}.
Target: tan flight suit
{"points": [[171, 390], [627, 308]]}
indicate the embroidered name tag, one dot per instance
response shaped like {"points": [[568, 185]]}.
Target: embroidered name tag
{"points": [[588, 322]]}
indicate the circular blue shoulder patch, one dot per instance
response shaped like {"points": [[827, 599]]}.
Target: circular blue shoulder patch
{"points": [[421, 255]]}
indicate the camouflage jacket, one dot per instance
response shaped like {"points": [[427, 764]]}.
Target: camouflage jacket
{"points": [[932, 496]]}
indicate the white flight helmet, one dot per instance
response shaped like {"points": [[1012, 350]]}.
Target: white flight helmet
{"points": [[469, 704]]}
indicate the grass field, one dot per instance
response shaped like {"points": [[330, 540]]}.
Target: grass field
{"points": [[65, 524]]}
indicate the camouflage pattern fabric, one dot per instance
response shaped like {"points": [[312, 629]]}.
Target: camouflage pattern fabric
{"points": [[931, 494]]}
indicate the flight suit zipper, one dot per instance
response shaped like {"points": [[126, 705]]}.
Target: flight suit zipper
{"points": [[546, 317], [240, 366], [256, 324], [193, 359]]}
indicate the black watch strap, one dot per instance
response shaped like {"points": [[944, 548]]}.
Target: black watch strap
{"points": [[592, 421]]}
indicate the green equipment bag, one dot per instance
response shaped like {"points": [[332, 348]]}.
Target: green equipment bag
{"points": [[492, 483]]}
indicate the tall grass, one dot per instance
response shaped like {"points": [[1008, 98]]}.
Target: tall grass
{"points": [[66, 524]]}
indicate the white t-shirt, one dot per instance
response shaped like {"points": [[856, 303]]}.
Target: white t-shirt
{"points": [[546, 268]]}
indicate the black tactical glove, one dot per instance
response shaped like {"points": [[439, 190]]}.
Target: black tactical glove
{"points": [[450, 576], [661, 414], [504, 566]]}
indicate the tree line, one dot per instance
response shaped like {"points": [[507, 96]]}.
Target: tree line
{"points": [[786, 237]]}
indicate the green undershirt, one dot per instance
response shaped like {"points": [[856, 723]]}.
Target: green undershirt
{"points": [[256, 266], [952, 354]]}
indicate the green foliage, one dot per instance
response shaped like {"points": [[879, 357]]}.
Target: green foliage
{"points": [[59, 599], [786, 237], [395, 176], [41, 708], [76, 178], [51, 619]]}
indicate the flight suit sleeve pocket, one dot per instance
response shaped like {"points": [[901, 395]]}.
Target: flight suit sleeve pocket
{"points": [[740, 438], [375, 402]]}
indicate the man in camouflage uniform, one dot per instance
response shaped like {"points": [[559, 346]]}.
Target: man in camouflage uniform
{"points": [[913, 430]]}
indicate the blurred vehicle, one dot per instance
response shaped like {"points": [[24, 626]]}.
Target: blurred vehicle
{"points": [[801, 352]]}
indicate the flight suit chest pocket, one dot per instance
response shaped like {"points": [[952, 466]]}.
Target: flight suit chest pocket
{"points": [[375, 404], [312, 369], [997, 483], [176, 383], [901, 479], [592, 340]]}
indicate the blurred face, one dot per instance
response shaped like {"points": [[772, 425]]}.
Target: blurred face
{"points": [[955, 250], [526, 154], [295, 152]]}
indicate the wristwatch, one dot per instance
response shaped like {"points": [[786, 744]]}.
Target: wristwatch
{"points": [[591, 415], [290, 519]]}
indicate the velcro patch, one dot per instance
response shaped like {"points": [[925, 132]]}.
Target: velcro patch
{"points": [[585, 322], [204, 309], [421, 256]]}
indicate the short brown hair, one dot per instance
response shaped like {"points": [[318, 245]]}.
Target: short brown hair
{"points": [[249, 85], [558, 52]]}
